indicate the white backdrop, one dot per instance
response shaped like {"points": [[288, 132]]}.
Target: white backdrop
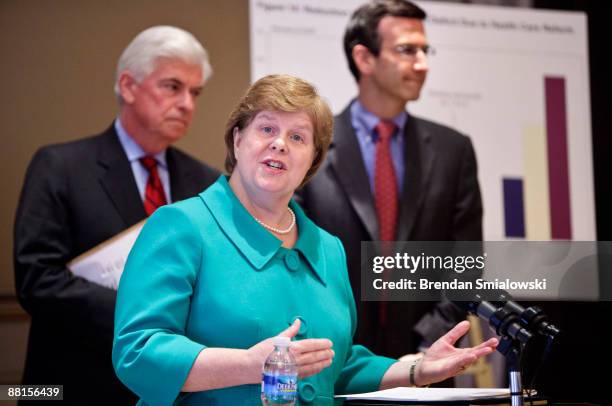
{"points": [[486, 80]]}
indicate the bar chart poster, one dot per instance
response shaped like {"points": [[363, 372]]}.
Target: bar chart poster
{"points": [[516, 81]]}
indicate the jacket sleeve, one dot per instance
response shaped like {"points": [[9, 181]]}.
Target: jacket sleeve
{"points": [[362, 370], [43, 244], [151, 354]]}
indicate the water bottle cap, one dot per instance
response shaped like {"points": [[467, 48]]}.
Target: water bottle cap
{"points": [[281, 341]]}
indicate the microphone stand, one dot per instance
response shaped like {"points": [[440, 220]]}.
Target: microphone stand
{"points": [[514, 337], [533, 320], [516, 326], [512, 350]]}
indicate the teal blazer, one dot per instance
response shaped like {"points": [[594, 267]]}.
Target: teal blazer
{"points": [[203, 273]]}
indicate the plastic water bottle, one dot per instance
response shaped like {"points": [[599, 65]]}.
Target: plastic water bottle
{"points": [[279, 382]]}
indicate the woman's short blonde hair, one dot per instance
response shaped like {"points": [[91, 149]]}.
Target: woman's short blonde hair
{"points": [[287, 94]]}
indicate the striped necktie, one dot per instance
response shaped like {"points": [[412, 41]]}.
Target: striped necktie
{"points": [[154, 192], [386, 198], [385, 183]]}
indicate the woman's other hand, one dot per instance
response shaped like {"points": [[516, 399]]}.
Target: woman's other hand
{"points": [[312, 355], [443, 360]]}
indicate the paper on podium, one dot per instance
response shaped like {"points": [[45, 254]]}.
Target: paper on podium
{"points": [[104, 263], [431, 394]]}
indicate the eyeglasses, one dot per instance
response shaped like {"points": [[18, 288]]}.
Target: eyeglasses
{"points": [[411, 50]]}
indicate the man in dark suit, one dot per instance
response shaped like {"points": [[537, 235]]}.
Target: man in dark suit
{"points": [[392, 176], [79, 194]]}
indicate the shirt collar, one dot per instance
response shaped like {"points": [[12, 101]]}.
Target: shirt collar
{"points": [[369, 120], [133, 151], [254, 242]]}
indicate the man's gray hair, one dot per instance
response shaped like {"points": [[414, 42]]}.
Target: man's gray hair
{"points": [[162, 41]]}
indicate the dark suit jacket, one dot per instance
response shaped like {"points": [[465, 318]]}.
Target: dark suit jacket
{"points": [[440, 202], [75, 196]]}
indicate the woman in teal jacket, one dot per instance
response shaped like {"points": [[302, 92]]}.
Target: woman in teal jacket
{"points": [[212, 278]]}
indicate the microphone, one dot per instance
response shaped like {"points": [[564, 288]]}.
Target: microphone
{"points": [[503, 321], [532, 318]]}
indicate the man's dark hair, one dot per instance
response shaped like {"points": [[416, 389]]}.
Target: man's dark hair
{"points": [[363, 25]]}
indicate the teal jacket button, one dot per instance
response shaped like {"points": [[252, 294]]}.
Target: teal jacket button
{"points": [[306, 392], [292, 261]]}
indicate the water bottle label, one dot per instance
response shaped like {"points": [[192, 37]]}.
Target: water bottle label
{"points": [[279, 388]]}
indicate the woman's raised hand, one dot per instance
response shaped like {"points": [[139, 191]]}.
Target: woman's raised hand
{"points": [[443, 360]]}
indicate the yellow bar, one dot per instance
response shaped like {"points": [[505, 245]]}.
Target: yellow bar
{"points": [[535, 183]]}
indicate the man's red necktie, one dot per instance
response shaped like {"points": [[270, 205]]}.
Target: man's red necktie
{"points": [[154, 192], [385, 183], [385, 195]]}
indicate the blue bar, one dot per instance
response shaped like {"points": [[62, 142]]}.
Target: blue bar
{"points": [[514, 207]]}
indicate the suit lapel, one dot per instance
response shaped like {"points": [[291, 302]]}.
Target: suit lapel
{"points": [[181, 183], [346, 161], [117, 179], [418, 163]]}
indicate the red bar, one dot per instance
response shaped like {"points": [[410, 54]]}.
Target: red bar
{"points": [[558, 162]]}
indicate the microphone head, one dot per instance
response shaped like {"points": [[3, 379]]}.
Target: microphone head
{"points": [[550, 330], [465, 306], [466, 301]]}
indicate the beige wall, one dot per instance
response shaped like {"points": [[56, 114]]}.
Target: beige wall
{"points": [[57, 73]]}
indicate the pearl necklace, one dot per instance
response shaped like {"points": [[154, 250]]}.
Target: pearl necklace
{"points": [[278, 230]]}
